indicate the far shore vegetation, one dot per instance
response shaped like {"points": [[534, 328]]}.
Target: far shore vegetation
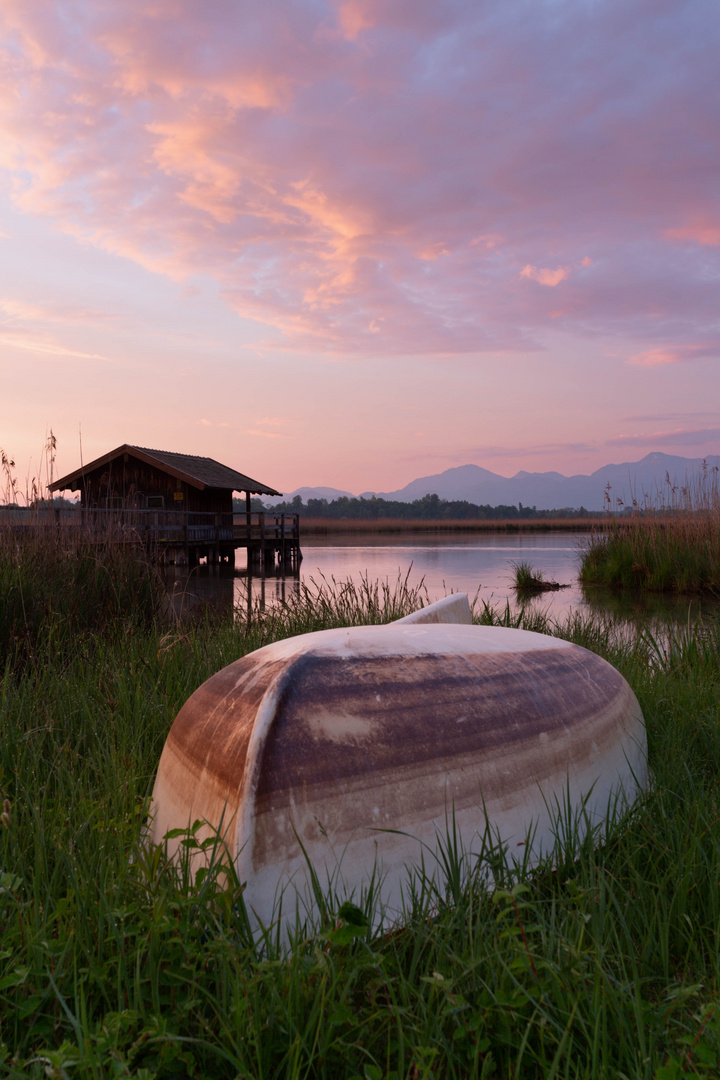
{"points": [[602, 962], [451, 513], [430, 515]]}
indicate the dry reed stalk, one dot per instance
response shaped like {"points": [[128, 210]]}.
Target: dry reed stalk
{"points": [[310, 526], [669, 542]]}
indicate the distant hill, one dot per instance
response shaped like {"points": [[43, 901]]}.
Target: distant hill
{"points": [[545, 491]]}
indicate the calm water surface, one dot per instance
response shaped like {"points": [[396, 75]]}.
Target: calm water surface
{"points": [[480, 566]]}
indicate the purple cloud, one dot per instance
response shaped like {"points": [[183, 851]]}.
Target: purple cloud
{"points": [[675, 437], [388, 178]]}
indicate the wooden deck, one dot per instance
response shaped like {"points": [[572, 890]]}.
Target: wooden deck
{"points": [[179, 536]]}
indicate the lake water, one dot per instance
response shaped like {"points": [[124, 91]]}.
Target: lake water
{"points": [[480, 566]]}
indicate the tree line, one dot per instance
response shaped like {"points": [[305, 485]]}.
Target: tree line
{"points": [[429, 508]]}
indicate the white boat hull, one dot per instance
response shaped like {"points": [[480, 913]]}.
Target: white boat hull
{"points": [[356, 748]]}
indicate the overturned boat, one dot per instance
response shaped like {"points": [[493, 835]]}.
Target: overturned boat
{"points": [[354, 750]]}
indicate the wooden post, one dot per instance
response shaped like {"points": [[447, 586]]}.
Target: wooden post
{"points": [[248, 523]]}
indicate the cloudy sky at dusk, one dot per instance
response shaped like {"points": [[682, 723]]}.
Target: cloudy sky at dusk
{"points": [[356, 242]]}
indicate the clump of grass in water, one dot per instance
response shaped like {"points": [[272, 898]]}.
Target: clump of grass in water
{"points": [[526, 576], [669, 543], [528, 580], [605, 964]]}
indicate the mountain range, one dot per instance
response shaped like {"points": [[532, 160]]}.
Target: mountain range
{"points": [[545, 491]]}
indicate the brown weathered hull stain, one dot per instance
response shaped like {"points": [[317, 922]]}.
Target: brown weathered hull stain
{"points": [[360, 744]]}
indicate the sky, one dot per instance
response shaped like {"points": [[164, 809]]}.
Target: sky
{"points": [[352, 243]]}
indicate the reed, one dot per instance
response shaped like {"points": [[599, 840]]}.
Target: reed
{"points": [[56, 586], [603, 962], [62, 583], [314, 526], [670, 543], [322, 603]]}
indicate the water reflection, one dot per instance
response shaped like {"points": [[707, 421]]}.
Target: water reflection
{"points": [[481, 566], [225, 589], [649, 608]]}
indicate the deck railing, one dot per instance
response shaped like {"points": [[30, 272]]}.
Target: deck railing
{"points": [[161, 527], [261, 526]]}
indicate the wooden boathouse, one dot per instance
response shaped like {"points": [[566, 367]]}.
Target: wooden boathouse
{"points": [[182, 506]]}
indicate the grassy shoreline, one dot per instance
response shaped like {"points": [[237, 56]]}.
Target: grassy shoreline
{"points": [[113, 963], [671, 545], [659, 556]]}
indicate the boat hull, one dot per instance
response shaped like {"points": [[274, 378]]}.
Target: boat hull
{"points": [[355, 750]]}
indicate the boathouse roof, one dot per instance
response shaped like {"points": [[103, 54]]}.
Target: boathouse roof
{"points": [[198, 472]]}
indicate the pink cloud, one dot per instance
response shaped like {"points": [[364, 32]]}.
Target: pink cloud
{"points": [[705, 232], [354, 16], [545, 276], [675, 354], [366, 177], [655, 357]]}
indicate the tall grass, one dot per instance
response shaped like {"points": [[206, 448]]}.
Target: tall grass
{"points": [[670, 543], [114, 962], [322, 603], [56, 586]]}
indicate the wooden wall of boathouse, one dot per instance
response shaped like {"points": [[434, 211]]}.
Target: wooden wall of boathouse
{"points": [[131, 484]]}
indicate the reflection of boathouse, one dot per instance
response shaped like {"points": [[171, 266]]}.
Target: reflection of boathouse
{"points": [[183, 505]]}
